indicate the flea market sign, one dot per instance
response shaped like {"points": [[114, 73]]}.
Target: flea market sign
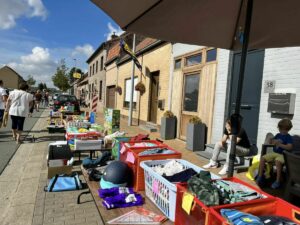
{"points": [[77, 75]]}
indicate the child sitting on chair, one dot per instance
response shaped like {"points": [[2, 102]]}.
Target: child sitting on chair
{"points": [[282, 141]]}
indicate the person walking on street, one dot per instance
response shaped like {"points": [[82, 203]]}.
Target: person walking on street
{"points": [[46, 99], [18, 103], [32, 105], [3, 99], [38, 98]]}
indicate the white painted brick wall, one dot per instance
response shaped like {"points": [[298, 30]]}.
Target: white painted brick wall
{"points": [[220, 97], [283, 66]]}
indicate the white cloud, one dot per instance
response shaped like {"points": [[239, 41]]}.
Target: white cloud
{"points": [[86, 50], [113, 30], [38, 9], [11, 10], [39, 64]]}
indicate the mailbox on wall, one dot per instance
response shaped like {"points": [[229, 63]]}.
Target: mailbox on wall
{"points": [[282, 103]]}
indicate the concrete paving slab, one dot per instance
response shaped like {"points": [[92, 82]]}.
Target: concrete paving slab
{"points": [[8, 146]]}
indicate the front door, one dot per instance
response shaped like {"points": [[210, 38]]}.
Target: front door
{"points": [[154, 91], [251, 90], [190, 103], [110, 103]]}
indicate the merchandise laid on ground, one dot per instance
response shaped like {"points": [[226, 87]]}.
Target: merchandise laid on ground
{"points": [[134, 180]]}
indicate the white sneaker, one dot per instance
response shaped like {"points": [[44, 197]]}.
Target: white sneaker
{"points": [[211, 164], [224, 170]]}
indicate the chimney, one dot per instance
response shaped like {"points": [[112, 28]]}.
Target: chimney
{"points": [[113, 36]]}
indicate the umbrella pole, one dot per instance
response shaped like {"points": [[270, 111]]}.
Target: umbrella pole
{"points": [[132, 85], [236, 118]]}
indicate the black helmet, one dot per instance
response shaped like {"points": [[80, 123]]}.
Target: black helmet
{"points": [[116, 174]]}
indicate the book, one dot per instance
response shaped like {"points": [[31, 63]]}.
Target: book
{"points": [[139, 216]]}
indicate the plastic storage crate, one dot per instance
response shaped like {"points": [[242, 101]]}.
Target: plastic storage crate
{"points": [[161, 191], [138, 172], [134, 145], [275, 207], [200, 213], [117, 142]]}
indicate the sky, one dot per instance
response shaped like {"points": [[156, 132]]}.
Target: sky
{"points": [[35, 35]]}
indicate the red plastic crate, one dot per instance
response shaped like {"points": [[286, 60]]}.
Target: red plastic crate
{"points": [[138, 172], [275, 206], [123, 155], [200, 213]]}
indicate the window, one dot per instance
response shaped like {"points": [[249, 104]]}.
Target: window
{"points": [[101, 64], [90, 70], [93, 68], [191, 91], [211, 55], [128, 92], [100, 90], [97, 66], [89, 91], [194, 59], [177, 64]]}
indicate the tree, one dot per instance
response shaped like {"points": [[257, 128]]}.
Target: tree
{"points": [[61, 77], [71, 72], [42, 86], [31, 81]]}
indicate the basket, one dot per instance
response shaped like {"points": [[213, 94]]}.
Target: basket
{"points": [[275, 206], [132, 145], [138, 172], [116, 147], [161, 191], [200, 213]]}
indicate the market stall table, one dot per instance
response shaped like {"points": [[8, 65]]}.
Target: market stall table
{"points": [[107, 215]]}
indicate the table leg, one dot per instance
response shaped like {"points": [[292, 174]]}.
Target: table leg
{"points": [[82, 193]]}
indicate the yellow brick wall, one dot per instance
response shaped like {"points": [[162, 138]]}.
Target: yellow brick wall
{"points": [[157, 59]]}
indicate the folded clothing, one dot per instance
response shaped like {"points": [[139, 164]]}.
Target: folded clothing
{"points": [[122, 201], [120, 197], [103, 193], [182, 176], [169, 169], [156, 151], [240, 218]]}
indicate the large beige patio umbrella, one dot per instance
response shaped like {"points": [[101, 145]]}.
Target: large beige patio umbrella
{"points": [[228, 24]]}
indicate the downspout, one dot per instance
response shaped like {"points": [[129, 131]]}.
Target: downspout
{"points": [[171, 80]]}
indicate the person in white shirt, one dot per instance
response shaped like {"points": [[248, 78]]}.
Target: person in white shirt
{"points": [[3, 99], [18, 103]]}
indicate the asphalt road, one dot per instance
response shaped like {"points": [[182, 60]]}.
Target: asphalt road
{"points": [[8, 146]]}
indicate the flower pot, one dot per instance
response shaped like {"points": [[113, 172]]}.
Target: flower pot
{"points": [[195, 137], [168, 128]]}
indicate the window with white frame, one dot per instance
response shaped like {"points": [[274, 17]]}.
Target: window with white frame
{"points": [[128, 92]]}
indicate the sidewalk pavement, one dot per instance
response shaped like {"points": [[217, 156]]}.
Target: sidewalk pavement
{"points": [[8, 146]]}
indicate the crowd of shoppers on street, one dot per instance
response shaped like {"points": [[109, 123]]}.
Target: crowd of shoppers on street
{"points": [[19, 104]]}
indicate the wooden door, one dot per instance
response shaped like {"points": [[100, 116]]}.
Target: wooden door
{"points": [[110, 103], [154, 91], [190, 101]]}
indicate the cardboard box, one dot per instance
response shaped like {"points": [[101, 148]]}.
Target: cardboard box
{"points": [[57, 162], [52, 171]]}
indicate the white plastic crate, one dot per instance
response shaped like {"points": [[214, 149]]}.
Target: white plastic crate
{"points": [[88, 144], [164, 197]]}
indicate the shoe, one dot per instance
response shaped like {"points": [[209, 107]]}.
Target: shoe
{"points": [[260, 180], [275, 185], [211, 164], [224, 170]]}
